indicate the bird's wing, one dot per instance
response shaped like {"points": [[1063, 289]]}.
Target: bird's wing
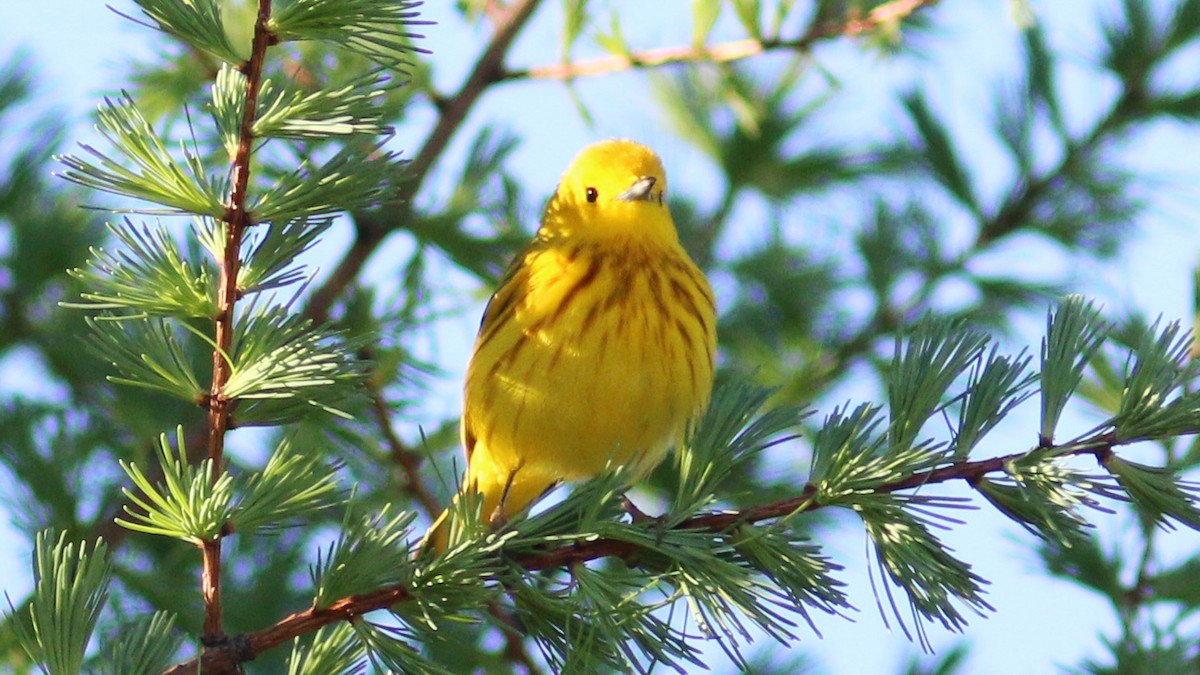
{"points": [[499, 309]]}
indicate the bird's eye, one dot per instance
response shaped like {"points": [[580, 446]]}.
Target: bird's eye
{"points": [[592, 195]]}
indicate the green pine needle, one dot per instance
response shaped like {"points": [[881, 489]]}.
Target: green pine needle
{"points": [[272, 249], [331, 650], [149, 354], [376, 29], [351, 109], [370, 553], [1043, 496], [1159, 494], [589, 510], [227, 107], [938, 352], [158, 178], [996, 386], [723, 596], [915, 560], [280, 358], [187, 505], [194, 22], [731, 432], [448, 587], [596, 621], [1074, 331], [388, 650], [852, 459], [795, 566], [940, 151], [150, 276], [360, 175], [842, 454], [145, 647], [290, 487], [70, 587], [269, 250], [1159, 366]]}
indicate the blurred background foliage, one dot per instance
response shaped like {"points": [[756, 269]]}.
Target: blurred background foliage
{"points": [[821, 246]]}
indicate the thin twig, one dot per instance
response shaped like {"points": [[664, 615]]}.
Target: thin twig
{"points": [[1100, 446], [408, 459], [724, 52], [971, 472], [221, 659], [237, 219]]}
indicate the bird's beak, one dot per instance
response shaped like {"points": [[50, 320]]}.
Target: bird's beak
{"points": [[642, 190]]}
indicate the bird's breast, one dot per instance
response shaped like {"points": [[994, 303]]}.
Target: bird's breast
{"points": [[604, 355]]}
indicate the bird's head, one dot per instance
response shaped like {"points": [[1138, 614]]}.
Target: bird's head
{"points": [[615, 188]]}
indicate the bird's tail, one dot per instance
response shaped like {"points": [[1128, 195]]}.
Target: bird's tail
{"points": [[437, 537], [485, 497]]}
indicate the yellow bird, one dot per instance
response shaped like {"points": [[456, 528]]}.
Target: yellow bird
{"points": [[597, 347]]}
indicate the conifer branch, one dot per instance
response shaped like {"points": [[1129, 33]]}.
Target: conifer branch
{"points": [[1016, 210], [1100, 446], [246, 647], [237, 219]]}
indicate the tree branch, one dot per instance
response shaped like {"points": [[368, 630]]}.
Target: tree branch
{"points": [[725, 52], [1027, 195], [237, 219], [248, 646], [408, 459]]}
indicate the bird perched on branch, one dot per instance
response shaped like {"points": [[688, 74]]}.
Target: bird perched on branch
{"points": [[597, 347]]}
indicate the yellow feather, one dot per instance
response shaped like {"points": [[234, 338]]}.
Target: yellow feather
{"points": [[599, 344]]}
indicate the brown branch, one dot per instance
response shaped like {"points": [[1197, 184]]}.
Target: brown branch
{"points": [[248, 646], [725, 52], [408, 459], [805, 502], [237, 219], [210, 591]]}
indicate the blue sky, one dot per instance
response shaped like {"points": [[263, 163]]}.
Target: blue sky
{"points": [[79, 47]]}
